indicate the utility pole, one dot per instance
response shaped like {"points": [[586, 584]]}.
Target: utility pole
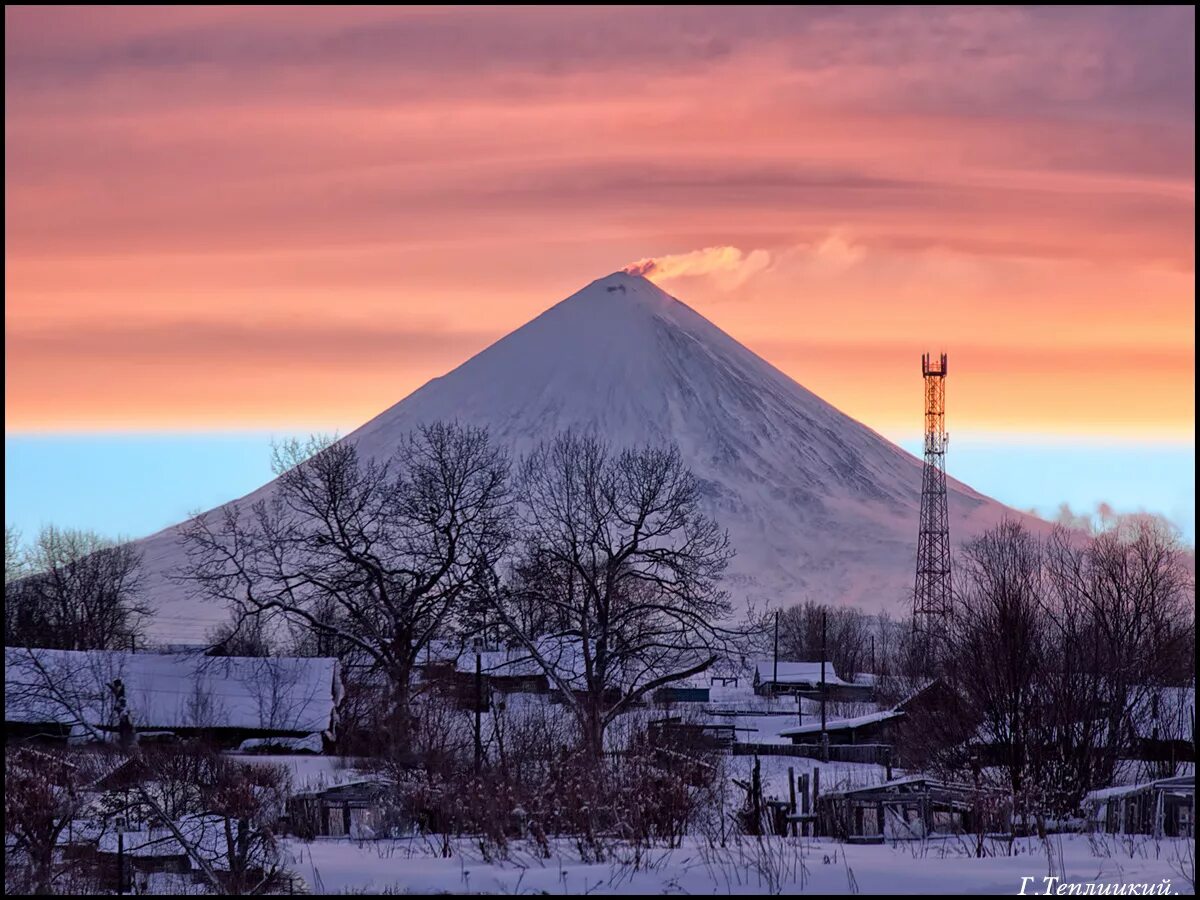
{"points": [[775, 670], [478, 707], [121, 856], [824, 654], [873, 669]]}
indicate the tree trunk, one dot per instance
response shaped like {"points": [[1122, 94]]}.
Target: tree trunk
{"points": [[593, 729], [400, 726], [240, 865], [43, 871]]}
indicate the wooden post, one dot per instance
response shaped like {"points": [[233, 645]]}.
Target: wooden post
{"points": [[792, 794], [756, 797], [816, 793], [824, 653]]}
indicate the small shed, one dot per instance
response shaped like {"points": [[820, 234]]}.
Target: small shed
{"points": [[912, 808], [1166, 807], [674, 733], [356, 809], [681, 693]]}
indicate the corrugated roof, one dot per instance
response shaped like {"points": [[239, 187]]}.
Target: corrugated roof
{"points": [[170, 690], [791, 672]]}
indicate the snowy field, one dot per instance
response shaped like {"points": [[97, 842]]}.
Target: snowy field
{"points": [[744, 865], [747, 866]]}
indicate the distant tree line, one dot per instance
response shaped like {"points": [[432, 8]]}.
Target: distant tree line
{"points": [[72, 590]]}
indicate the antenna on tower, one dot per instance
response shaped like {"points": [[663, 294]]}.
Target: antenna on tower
{"points": [[931, 595]]}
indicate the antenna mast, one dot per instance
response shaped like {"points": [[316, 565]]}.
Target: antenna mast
{"points": [[932, 594]]}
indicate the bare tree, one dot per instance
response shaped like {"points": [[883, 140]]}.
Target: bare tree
{"points": [[44, 793], [374, 556], [1055, 646], [14, 556], [847, 635], [242, 635], [14, 569], [222, 813], [82, 691], [624, 569], [79, 591], [998, 646], [1123, 613], [240, 806]]}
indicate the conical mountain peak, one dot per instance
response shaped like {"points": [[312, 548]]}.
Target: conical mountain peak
{"points": [[623, 291], [817, 505]]}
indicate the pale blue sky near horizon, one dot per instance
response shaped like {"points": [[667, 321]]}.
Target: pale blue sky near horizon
{"points": [[133, 484]]}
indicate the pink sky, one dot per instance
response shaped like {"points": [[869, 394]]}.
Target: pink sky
{"points": [[232, 217]]}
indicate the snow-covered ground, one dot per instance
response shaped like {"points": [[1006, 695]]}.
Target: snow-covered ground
{"points": [[746, 866]]}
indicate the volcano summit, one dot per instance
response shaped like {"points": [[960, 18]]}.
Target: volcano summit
{"points": [[817, 505]]}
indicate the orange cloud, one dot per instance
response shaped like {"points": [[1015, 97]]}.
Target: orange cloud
{"points": [[229, 216]]}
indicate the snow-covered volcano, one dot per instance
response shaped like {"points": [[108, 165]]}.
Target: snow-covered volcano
{"points": [[817, 504]]}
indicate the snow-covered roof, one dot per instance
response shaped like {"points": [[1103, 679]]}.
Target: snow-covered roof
{"points": [[896, 785], [309, 772], [170, 690], [158, 841], [309, 743], [565, 656], [1185, 784], [843, 724], [1167, 713], [511, 663], [790, 672]]}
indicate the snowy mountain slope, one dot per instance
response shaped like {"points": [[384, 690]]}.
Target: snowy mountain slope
{"points": [[817, 504]]}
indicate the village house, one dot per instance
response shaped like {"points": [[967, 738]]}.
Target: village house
{"points": [[67, 695], [773, 677], [873, 728]]}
